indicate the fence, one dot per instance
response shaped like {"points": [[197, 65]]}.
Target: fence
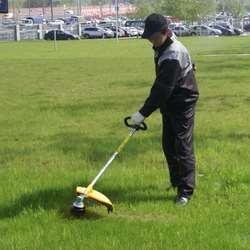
{"points": [[7, 34], [33, 32]]}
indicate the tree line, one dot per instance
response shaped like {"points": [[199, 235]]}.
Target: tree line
{"points": [[191, 10]]}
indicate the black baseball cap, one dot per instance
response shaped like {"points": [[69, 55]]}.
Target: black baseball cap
{"points": [[154, 24]]}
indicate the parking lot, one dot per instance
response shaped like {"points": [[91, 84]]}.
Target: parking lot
{"points": [[77, 27]]}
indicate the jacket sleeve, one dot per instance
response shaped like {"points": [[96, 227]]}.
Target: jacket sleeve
{"points": [[163, 86]]}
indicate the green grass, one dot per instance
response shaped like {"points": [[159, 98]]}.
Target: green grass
{"points": [[62, 116]]}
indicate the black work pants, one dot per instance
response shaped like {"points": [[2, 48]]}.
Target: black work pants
{"points": [[177, 142]]}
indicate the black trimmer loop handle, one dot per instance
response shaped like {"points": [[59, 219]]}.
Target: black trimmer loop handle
{"points": [[142, 126]]}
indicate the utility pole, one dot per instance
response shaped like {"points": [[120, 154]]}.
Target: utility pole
{"points": [[14, 10], [77, 7], [117, 13], [29, 7], [51, 10], [80, 7]]}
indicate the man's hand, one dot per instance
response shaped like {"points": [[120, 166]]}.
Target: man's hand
{"points": [[137, 118]]}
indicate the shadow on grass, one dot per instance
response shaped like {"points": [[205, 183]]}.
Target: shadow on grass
{"points": [[60, 200]]}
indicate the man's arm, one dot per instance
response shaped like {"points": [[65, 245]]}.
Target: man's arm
{"points": [[162, 87]]}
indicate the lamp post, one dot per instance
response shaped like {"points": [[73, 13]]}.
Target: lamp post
{"points": [[116, 13], [51, 10]]}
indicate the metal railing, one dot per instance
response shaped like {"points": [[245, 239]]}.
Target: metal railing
{"points": [[33, 32]]}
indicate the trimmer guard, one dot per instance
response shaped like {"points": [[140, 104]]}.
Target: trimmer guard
{"points": [[96, 196]]}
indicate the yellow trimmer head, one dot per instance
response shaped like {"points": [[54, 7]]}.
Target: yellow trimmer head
{"points": [[95, 196], [88, 193]]}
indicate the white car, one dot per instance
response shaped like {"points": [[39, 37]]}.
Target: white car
{"points": [[181, 30], [140, 31], [56, 22], [131, 31], [173, 25], [121, 32], [68, 12], [108, 33]]}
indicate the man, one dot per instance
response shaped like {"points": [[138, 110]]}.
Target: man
{"points": [[175, 92]]}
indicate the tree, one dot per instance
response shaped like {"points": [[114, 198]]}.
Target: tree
{"points": [[190, 10], [143, 8], [235, 7]]}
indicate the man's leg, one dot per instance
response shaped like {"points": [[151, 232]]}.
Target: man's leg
{"points": [[183, 124], [168, 145]]}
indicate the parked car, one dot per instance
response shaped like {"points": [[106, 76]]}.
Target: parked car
{"points": [[181, 30], [60, 35], [225, 31], [126, 31], [26, 22], [238, 31], [229, 26], [56, 22], [246, 22], [108, 33], [8, 22], [247, 27], [135, 23], [97, 32], [37, 20], [130, 31], [121, 32], [173, 25], [140, 31], [68, 12], [204, 30]]}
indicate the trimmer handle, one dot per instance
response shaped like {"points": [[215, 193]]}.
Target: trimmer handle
{"points": [[142, 126]]}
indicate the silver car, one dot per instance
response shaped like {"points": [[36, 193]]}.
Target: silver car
{"points": [[181, 30], [204, 30], [97, 32], [130, 31]]}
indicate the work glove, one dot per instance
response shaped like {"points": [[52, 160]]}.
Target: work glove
{"points": [[137, 118]]}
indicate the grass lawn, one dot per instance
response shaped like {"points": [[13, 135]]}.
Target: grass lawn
{"points": [[61, 116]]}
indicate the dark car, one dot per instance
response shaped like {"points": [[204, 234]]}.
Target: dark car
{"points": [[135, 23], [225, 31], [228, 26], [60, 35], [237, 31], [247, 27]]}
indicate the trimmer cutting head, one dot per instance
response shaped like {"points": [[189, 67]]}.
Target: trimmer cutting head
{"points": [[78, 207], [96, 196]]}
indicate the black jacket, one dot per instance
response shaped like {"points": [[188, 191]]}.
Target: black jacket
{"points": [[175, 84]]}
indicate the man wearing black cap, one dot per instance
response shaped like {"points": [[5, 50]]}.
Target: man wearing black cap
{"points": [[175, 92]]}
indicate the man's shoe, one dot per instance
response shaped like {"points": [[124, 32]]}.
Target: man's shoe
{"points": [[181, 201]]}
